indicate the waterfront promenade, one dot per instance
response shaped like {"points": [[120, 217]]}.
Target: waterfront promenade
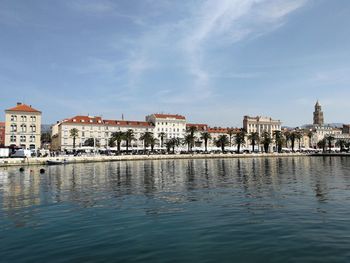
{"points": [[101, 158]]}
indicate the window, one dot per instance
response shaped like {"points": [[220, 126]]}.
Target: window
{"points": [[32, 128], [13, 127], [32, 138], [82, 134], [23, 128], [13, 138], [23, 138], [23, 118], [13, 118], [33, 118]]}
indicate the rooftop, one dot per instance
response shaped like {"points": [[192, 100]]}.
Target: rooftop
{"points": [[23, 108], [169, 116], [96, 120]]}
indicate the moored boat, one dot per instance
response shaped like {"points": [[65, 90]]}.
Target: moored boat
{"points": [[55, 162]]}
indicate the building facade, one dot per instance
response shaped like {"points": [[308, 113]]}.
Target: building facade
{"points": [[92, 127], [172, 125], [318, 115], [261, 124], [2, 134], [22, 127], [346, 128]]}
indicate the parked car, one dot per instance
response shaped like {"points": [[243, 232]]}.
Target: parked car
{"points": [[21, 153]]}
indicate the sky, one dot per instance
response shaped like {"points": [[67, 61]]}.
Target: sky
{"points": [[213, 61]]}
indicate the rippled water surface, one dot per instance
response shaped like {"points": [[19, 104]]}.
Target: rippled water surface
{"points": [[229, 210]]}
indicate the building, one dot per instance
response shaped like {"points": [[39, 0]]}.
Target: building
{"points": [[2, 134], [96, 128], [199, 129], [22, 127], [172, 125], [320, 132], [346, 128], [261, 124], [318, 115]]}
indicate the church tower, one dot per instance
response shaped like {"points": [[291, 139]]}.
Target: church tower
{"points": [[318, 115]]}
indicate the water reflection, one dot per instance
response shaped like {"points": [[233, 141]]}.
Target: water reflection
{"points": [[172, 181]]}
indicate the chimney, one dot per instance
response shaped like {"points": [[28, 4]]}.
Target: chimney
{"points": [[19, 103]]}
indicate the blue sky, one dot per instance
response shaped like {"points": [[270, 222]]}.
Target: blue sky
{"points": [[211, 60]]}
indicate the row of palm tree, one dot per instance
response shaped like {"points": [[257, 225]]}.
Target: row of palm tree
{"points": [[329, 140], [278, 137]]}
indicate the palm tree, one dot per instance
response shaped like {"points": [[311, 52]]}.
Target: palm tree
{"points": [[146, 138], [191, 130], [341, 143], [161, 136], [310, 134], [176, 142], [287, 135], [299, 136], [254, 138], [205, 136], [128, 137], [188, 139], [74, 133], [117, 137], [153, 141], [329, 139], [239, 140], [292, 138], [230, 133], [172, 143], [278, 140], [266, 141], [222, 141], [322, 144]]}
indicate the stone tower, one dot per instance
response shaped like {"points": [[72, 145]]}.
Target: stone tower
{"points": [[318, 115]]}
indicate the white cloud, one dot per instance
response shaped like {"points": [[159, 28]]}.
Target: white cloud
{"points": [[220, 23]]}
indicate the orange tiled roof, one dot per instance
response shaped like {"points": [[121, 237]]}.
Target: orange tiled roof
{"points": [[164, 116], [84, 119], [128, 123], [23, 108], [221, 130], [200, 127], [100, 121]]}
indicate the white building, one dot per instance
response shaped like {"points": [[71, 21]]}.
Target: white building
{"points": [[320, 132], [173, 125], [98, 129], [23, 127], [261, 124]]}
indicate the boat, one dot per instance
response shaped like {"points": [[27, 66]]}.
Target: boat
{"points": [[55, 162]]}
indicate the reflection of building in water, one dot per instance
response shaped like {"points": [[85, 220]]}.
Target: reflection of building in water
{"points": [[20, 189]]}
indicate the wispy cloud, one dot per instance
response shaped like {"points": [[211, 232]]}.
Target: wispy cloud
{"points": [[187, 43], [227, 22]]}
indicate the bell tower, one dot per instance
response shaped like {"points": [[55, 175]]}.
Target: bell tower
{"points": [[318, 115]]}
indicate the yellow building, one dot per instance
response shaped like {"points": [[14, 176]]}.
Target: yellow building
{"points": [[22, 127]]}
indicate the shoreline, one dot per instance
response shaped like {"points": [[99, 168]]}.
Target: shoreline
{"points": [[8, 162]]}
